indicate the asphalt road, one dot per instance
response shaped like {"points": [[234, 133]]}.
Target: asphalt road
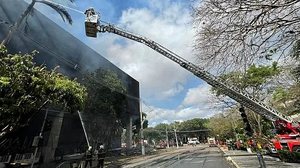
{"points": [[200, 157]]}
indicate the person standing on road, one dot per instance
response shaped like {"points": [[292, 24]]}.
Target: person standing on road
{"points": [[88, 157], [100, 155]]}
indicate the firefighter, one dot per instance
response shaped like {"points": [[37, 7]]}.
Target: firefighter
{"points": [[88, 157], [100, 155], [90, 12]]}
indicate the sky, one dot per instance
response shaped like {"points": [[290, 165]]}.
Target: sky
{"points": [[169, 93]]}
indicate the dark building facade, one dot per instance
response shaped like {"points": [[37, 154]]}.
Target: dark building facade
{"points": [[66, 135]]}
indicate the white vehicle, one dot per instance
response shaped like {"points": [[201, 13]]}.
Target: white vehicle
{"points": [[211, 142], [193, 141]]}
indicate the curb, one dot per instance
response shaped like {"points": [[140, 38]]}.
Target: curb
{"points": [[270, 158], [228, 158], [249, 154]]}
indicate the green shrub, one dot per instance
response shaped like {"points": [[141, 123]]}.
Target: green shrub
{"points": [[287, 156]]}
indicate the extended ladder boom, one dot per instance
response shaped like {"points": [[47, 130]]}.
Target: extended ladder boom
{"points": [[234, 93]]}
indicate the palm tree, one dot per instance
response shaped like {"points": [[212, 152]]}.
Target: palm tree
{"points": [[60, 10]]}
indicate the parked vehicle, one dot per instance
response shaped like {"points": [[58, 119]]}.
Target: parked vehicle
{"points": [[193, 141], [161, 145], [211, 142]]}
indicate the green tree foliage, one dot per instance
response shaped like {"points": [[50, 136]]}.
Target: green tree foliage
{"points": [[137, 123], [146, 122], [295, 52], [188, 128], [162, 126], [286, 98], [256, 81], [192, 127], [296, 62], [193, 124], [155, 135], [105, 106], [106, 93], [257, 76], [25, 88], [221, 127], [281, 94], [226, 125], [254, 77]]}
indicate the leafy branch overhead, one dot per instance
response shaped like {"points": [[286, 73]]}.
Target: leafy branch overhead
{"points": [[255, 77], [25, 88]]}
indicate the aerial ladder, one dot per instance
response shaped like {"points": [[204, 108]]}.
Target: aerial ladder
{"points": [[93, 26]]}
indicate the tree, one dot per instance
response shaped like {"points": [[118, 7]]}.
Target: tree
{"points": [[105, 108], [257, 82], [234, 34], [192, 124], [162, 126], [152, 134], [286, 97], [137, 123], [193, 128], [222, 126], [155, 134], [60, 10], [26, 88]]}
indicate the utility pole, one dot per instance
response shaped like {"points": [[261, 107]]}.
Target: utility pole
{"points": [[167, 138], [176, 137], [142, 132]]}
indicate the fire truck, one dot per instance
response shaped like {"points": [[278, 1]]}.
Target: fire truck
{"points": [[287, 129]]}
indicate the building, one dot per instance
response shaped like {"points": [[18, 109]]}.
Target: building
{"points": [[65, 134]]}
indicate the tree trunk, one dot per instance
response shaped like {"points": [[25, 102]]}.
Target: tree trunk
{"points": [[259, 120], [256, 123], [17, 24]]}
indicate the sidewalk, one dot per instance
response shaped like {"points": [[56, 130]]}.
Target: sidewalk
{"points": [[242, 159]]}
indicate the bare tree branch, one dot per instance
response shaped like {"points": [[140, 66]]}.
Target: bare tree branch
{"points": [[233, 34]]}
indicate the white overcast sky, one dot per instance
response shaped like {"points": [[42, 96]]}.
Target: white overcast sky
{"points": [[169, 92]]}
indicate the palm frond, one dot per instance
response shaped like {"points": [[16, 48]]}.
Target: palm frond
{"points": [[60, 10]]}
